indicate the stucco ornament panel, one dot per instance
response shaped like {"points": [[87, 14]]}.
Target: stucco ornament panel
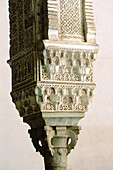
{"points": [[52, 53]]}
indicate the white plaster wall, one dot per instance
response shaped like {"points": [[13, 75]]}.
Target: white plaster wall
{"points": [[94, 150]]}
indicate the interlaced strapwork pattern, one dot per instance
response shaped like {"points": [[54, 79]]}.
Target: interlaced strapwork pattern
{"points": [[70, 17]]}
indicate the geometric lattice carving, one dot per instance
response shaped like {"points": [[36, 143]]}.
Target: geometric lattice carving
{"points": [[71, 23]]}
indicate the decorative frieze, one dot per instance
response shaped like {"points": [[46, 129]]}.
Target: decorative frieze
{"points": [[67, 65], [62, 97], [54, 97]]}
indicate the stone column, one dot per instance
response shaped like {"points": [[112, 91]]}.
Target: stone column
{"points": [[57, 159], [53, 48]]}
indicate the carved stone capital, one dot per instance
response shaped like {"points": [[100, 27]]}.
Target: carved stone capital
{"points": [[54, 144]]}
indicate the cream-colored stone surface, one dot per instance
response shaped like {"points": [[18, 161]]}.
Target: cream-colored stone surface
{"points": [[94, 149]]}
